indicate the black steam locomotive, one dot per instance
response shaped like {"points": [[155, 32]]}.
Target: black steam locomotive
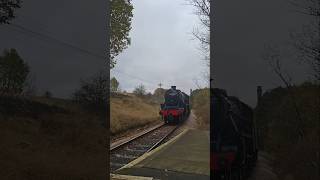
{"points": [[233, 138], [175, 107]]}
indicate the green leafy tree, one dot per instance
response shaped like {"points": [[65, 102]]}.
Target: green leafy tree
{"points": [[140, 90], [13, 73], [114, 85], [121, 16], [7, 10]]}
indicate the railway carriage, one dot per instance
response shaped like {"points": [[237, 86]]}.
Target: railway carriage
{"points": [[175, 107]]}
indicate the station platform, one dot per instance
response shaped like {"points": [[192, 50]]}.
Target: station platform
{"points": [[186, 156]]}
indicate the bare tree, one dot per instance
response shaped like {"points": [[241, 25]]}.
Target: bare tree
{"points": [[8, 10], [202, 10], [307, 42], [272, 55], [30, 88], [202, 32], [307, 7], [140, 90]]}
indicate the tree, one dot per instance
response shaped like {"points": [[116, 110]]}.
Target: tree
{"points": [[30, 88], [7, 10], [307, 41], [13, 73], [140, 90], [202, 33], [120, 25], [94, 91], [159, 92], [114, 85], [48, 94], [272, 56]]}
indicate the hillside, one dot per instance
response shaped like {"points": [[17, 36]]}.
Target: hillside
{"points": [[52, 138], [293, 141], [129, 111]]}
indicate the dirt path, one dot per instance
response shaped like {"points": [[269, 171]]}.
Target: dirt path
{"points": [[263, 169], [191, 122]]}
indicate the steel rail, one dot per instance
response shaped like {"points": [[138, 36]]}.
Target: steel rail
{"points": [[162, 139], [135, 137]]}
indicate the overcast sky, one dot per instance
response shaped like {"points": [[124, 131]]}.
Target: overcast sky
{"points": [[241, 28], [162, 48], [57, 67]]}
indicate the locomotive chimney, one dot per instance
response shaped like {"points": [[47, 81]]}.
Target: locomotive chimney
{"points": [[173, 87], [259, 94]]}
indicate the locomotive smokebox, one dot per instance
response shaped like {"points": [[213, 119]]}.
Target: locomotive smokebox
{"points": [[173, 87]]}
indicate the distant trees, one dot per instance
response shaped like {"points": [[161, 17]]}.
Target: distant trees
{"points": [[93, 91], [114, 85], [47, 94], [7, 10], [13, 73], [120, 25], [159, 92], [140, 90]]}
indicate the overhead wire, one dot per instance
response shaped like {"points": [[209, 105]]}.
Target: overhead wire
{"points": [[48, 38]]}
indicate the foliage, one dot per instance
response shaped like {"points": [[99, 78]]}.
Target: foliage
{"points": [[140, 90], [200, 103], [7, 8], [93, 91], [13, 73], [114, 85], [121, 15], [48, 94], [159, 92], [279, 129]]}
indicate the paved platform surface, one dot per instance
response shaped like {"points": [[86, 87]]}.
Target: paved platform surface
{"points": [[187, 156]]}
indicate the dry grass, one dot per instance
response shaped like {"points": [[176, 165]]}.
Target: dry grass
{"points": [[69, 145], [129, 111], [201, 107]]}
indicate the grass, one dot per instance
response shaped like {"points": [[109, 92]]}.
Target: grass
{"points": [[130, 111], [50, 139], [200, 102]]}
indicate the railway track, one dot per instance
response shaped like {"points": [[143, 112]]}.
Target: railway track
{"points": [[131, 149]]}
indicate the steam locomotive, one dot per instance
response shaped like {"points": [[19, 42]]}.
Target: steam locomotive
{"points": [[175, 107], [233, 138]]}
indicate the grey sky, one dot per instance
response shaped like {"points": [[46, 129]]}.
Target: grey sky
{"points": [[241, 29], [56, 67], [162, 48]]}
